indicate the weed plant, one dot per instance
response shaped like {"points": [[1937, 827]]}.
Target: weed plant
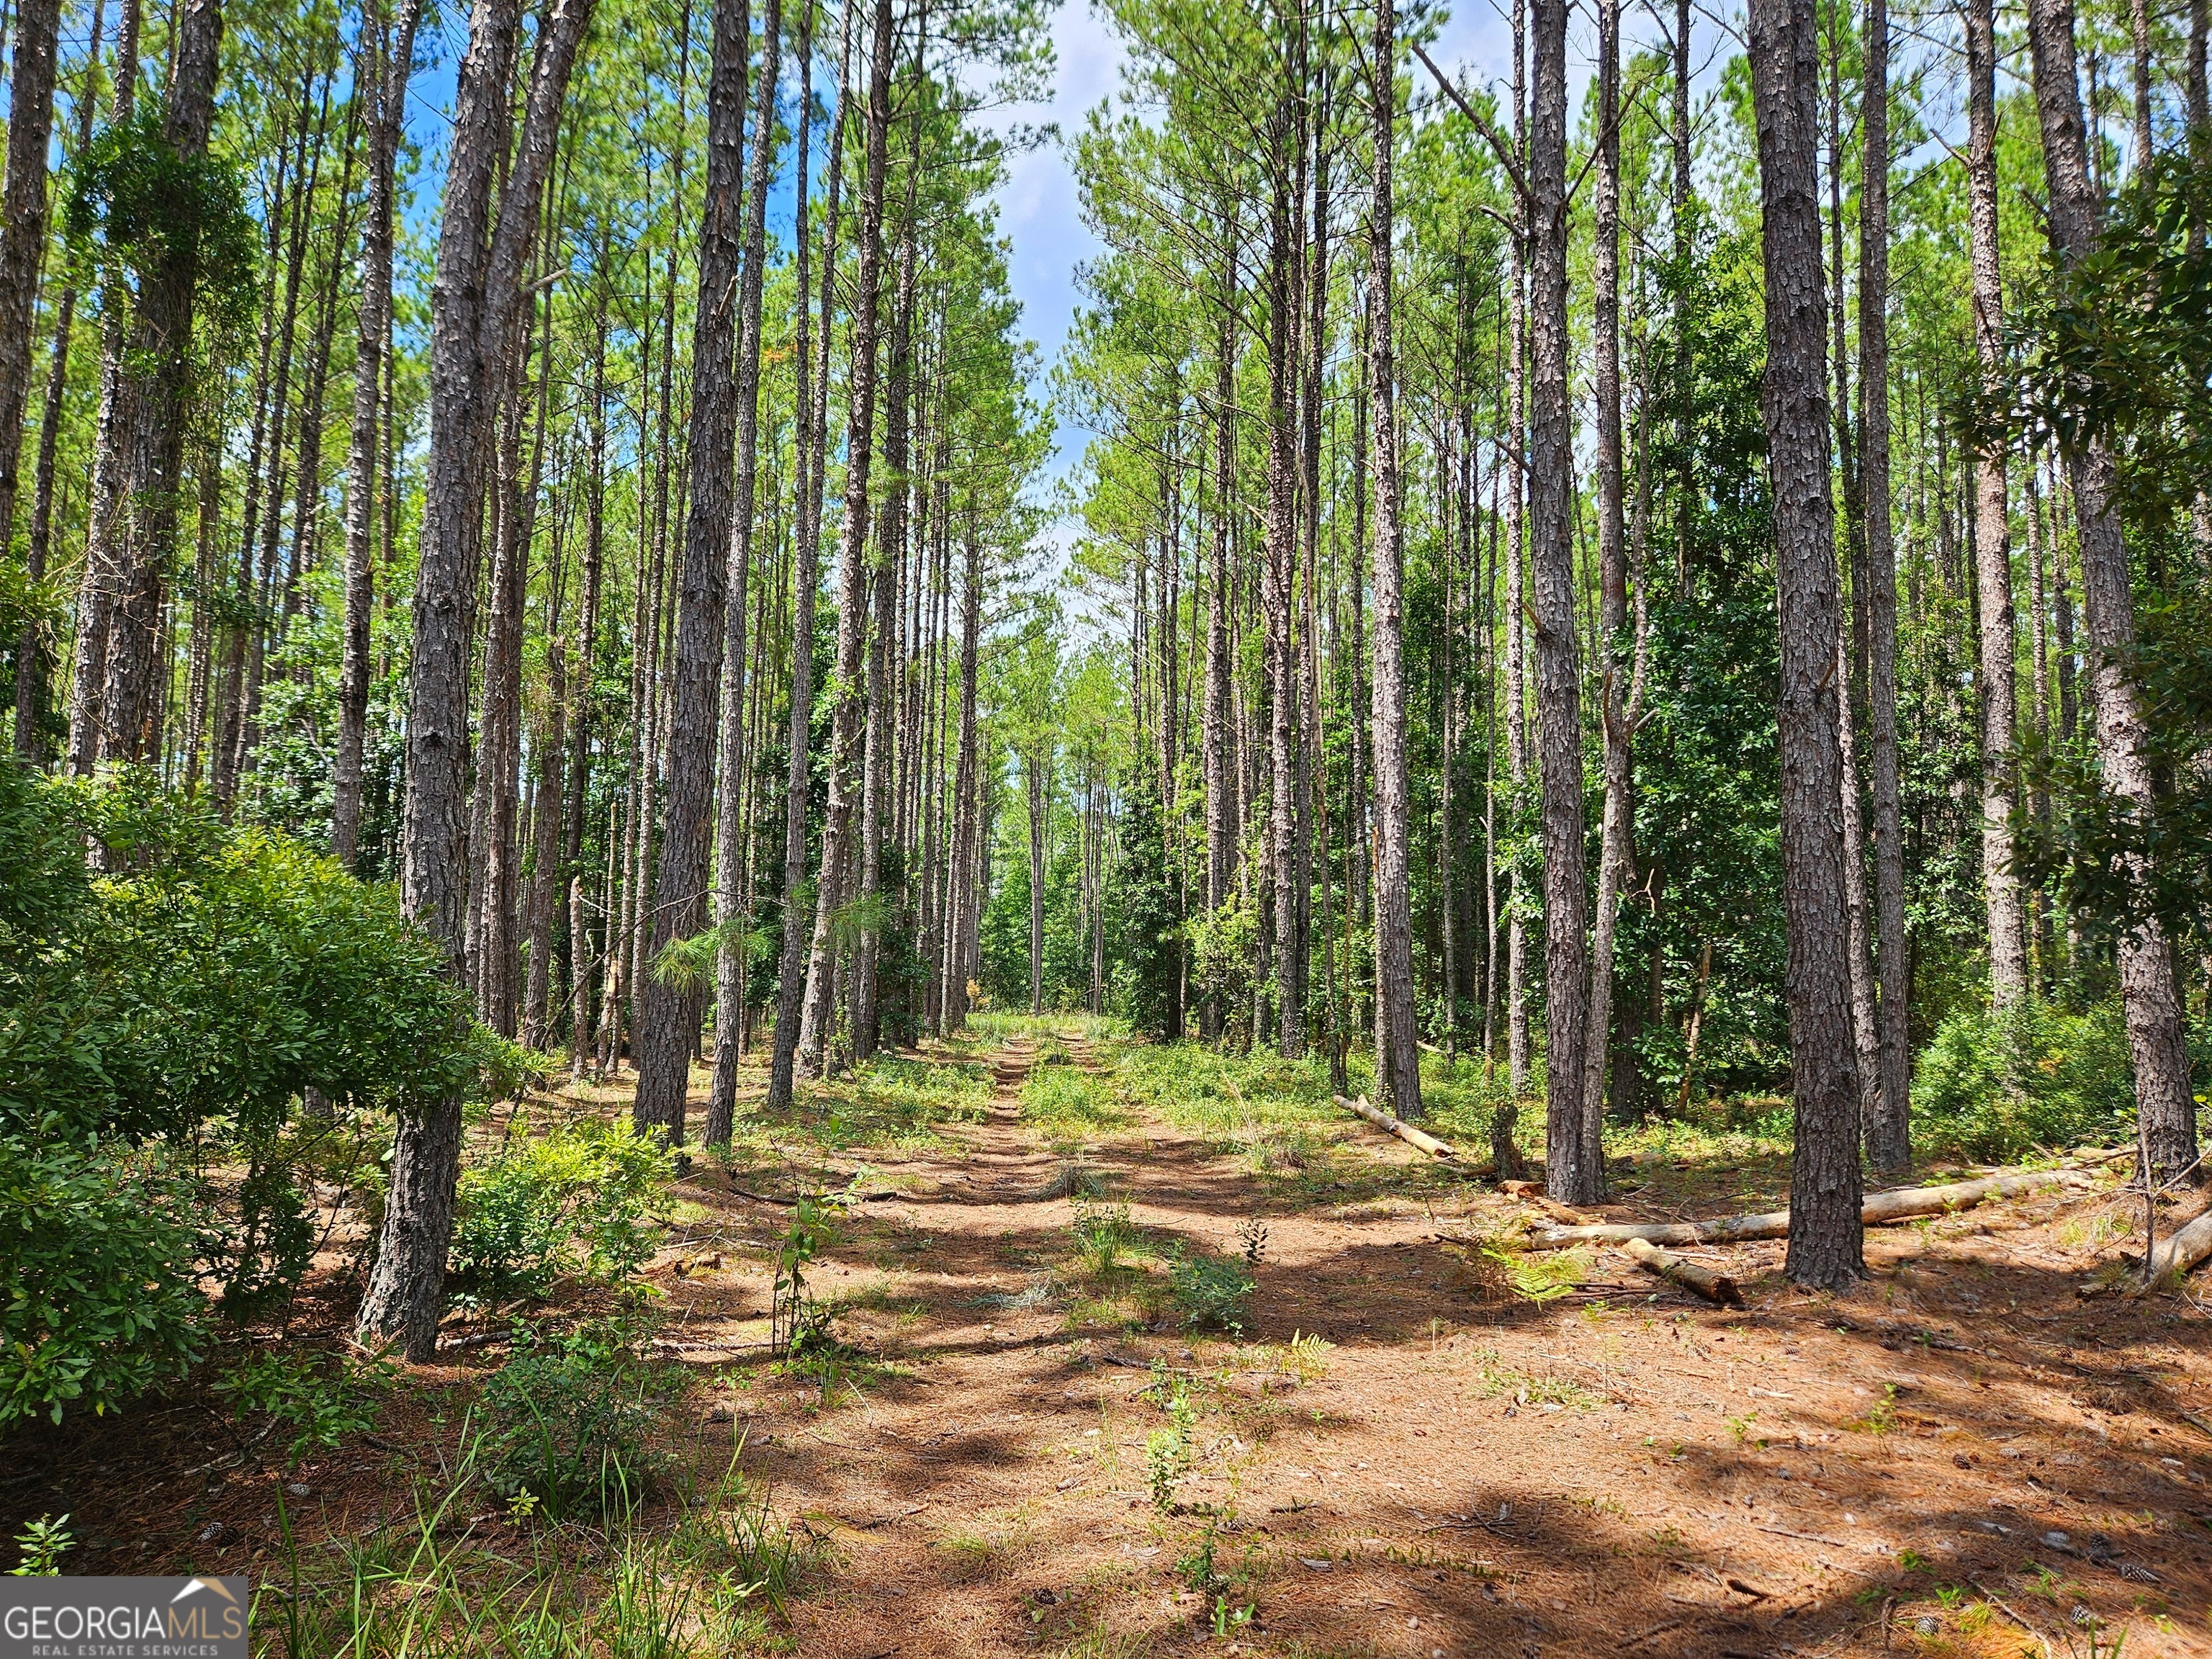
{"points": [[566, 1423], [1103, 1234]]}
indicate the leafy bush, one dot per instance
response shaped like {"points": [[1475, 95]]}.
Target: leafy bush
{"points": [[321, 1408], [575, 1201], [568, 1422], [187, 993], [212, 975], [1992, 1086], [97, 1258]]}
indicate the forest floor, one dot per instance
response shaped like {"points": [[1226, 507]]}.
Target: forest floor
{"points": [[1017, 1444]]}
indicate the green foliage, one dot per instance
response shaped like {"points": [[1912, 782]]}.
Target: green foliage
{"points": [[98, 1256], [1171, 1452], [1212, 1291], [1539, 1276], [1102, 1233], [2117, 352], [1224, 945], [1069, 1104], [216, 974], [323, 1408], [567, 1421], [133, 206], [181, 1001], [1142, 899], [757, 1557], [43, 1542], [797, 1322], [577, 1201], [1994, 1086]]}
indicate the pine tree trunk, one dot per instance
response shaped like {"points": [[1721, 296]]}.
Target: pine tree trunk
{"points": [[23, 227], [258, 567], [1517, 1043], [2164, 1106], [475, 296], [877, 762], [31, 652], [814, 424], [852, 575], [1615, 852], [1574, 1169], [97, 584], [1992, 529], [1825, 1249], [1398, 1056], [666, 1015], [1036, 770], [966, 833], [1278, 578], [1888, 1133], [385, 77], [1220, 783], [158, 372], [730, 837]]}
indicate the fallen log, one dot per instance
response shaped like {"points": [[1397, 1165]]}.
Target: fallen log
{"points": [[1398, 1127], [2177, 1255], [1899, 1204], [1714, 1287]]}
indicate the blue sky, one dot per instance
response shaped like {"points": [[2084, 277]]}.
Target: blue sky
{"points": [[1038, 208]]}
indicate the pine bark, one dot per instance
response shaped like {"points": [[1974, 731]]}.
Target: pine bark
{"points": [[666, 1014], [385, 85], [1398, 1055], [1517, 1036], [97, 584], [1221, 831], [877, 760], [23, 227], [159, 372], [1888, 1132], [1574, 1169], [1615, 852], [476, 299], [814, 423], [31, 646], [1992, 529], [2164, 1108], [730, 815], [852, 572], [1825, 1247]]}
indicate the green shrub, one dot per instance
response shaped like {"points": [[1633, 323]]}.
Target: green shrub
{"points": [[97, 1259], [1992, 1086], [567, 1422], [575, 1201], [321, 1407], [1213, 1290], [186, 996]]}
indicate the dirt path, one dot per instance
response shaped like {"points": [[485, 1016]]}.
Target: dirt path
{"points": [[1461, 1472], [1436, 1465]]}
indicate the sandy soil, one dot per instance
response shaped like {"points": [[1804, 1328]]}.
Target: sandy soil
{"points": [[1963, 1457]]}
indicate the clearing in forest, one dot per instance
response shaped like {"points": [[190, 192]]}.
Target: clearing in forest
{"points": [[1105, 1348]]}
